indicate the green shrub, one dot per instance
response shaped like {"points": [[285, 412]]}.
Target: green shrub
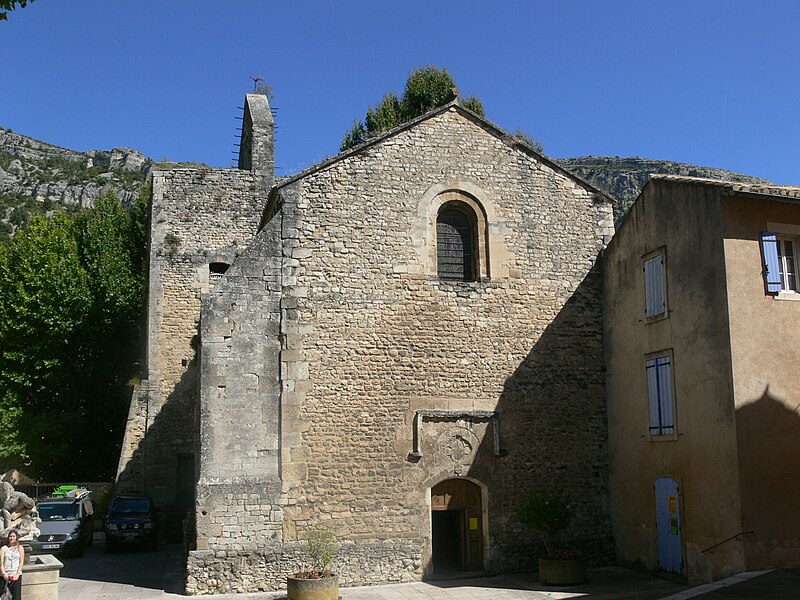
{"points": [[547, 515], [321, 548]]}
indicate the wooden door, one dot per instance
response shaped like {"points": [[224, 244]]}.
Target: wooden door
{"points": [[457, 535]]}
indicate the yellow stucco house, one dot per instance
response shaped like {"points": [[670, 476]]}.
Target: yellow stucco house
{"points": [[702, 343]]}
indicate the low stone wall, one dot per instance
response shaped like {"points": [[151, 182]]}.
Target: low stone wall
{"points": [[40, 578], [210, 572]]}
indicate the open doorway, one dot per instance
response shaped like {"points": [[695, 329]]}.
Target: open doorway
{"points": [[456, 527]]}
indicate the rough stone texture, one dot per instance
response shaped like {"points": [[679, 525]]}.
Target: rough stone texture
{"points": [[181, 248], [198, 216], [369, 335], [234, 571]]}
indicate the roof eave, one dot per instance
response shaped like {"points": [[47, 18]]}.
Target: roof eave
{"points": [[501, 134]]}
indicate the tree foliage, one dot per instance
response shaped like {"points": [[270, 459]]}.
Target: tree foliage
{"points": [[72, 302], [8, 5], [426, 88], [529, 140]]}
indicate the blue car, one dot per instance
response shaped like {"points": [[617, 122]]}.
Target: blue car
{"points": [[131, 520]]}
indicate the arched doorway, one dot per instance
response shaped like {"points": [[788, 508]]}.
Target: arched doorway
{"points": [[456, 527]]}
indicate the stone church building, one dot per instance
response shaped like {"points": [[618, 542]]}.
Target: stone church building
{"points": [[399, 343]]}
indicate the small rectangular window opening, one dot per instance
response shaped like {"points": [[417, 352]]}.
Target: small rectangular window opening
{"points": [[654, 288], [781, 265], [787, 261], [216, 270]]}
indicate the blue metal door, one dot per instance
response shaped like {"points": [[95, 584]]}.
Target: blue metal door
{"points": [[668, 525]]}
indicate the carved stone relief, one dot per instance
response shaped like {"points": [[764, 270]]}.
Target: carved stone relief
{"points": [[455, 448]]}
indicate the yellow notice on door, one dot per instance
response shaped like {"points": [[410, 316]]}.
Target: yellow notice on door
{"points": [[473, 523], [673, 505]]}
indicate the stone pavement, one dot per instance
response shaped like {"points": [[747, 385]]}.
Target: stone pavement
{"points": [[158, 576]]}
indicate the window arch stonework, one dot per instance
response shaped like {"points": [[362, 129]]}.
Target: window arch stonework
{"points": [[491, 250], [458, 201]]}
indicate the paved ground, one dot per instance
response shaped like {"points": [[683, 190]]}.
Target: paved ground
{"points": [[157, 576], [127, 575]]}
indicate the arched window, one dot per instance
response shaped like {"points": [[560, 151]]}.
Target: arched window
{"points": [[456, 242], [215, 272]]}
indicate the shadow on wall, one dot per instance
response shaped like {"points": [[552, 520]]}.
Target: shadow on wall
{"points": [[162, 463], [768, 435], [553, 435], [552, 430]]}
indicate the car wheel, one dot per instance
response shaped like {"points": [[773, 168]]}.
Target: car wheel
{"points": [[78, 552], [111, 547]]}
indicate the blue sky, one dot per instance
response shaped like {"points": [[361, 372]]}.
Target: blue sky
{"points": [[710, 83]]}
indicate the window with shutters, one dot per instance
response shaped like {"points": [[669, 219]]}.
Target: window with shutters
{"points": [[781, 268], [456, 242], [655, 289], [660, 397]]}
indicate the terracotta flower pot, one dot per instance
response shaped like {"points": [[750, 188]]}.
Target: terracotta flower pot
{"points": [[568, 571], [324, 588]]}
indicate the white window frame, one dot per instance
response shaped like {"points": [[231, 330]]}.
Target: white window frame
{"points": [[785, 269], [654, 270], [660, 393], [782, 233]]}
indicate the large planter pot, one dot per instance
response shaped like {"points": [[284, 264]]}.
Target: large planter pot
{"points": [[325, 588], [570, 571]]}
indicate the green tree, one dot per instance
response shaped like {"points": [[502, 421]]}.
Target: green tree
{"points": [[45, 298], [385, 115], [8, 5], [426, 88], [72, 290], [473, 104], [356, 135]]}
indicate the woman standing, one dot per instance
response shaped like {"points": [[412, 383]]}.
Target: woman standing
{"points": [[12, 556]]}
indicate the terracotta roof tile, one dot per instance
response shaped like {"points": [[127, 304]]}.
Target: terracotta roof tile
{"points": [[782, 191]]}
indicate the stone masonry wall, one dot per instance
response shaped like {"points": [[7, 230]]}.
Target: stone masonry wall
{"points": [[239, 483], [370, 337], [198, 216]]}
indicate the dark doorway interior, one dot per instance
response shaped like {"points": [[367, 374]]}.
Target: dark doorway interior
{"points": [[184, 500], [448, 544], [456, 527]]}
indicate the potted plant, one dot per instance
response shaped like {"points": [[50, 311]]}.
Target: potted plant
{"points": [[316, 582], [547, 516]]}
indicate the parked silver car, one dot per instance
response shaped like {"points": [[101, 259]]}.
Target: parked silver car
{"points": [[67, 525]]}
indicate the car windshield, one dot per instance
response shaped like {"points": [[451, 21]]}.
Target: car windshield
{"points": [[61, 511], [131, 505]]}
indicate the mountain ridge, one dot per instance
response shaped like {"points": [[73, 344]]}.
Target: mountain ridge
{"points": [[36, 177]]}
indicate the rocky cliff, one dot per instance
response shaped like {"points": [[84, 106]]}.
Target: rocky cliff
{"points": [[624, 178], [36, 177]]}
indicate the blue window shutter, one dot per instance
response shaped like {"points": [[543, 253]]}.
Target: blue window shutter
{"points": [[769, 250], [652, 397], [665, 395], [654, 286]]}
